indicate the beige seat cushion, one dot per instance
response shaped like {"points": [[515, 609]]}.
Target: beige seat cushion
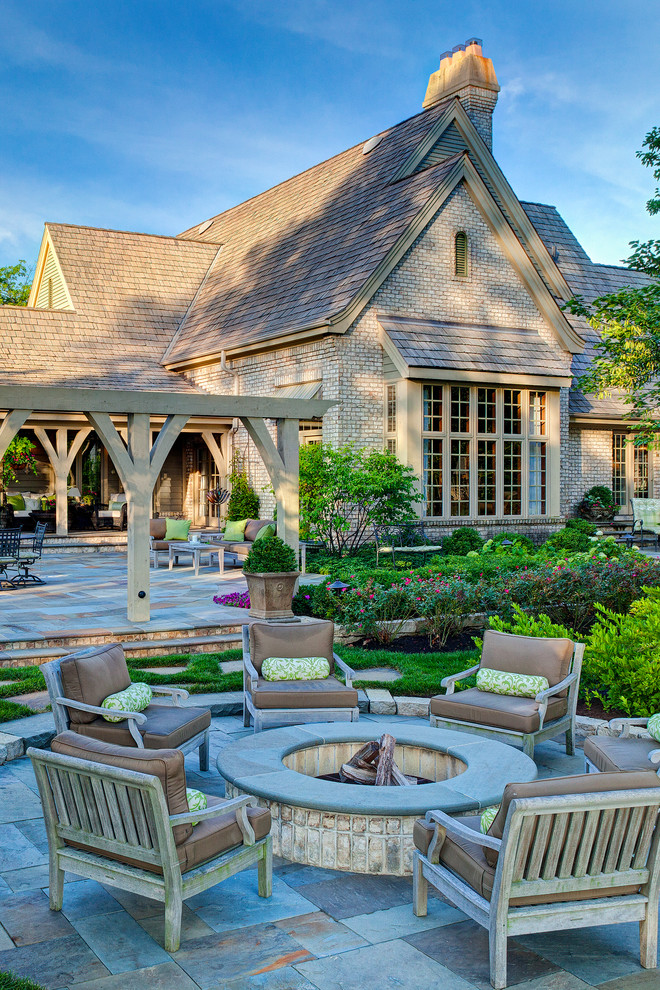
{"points": [[549, 658], [167, 727], [467, 860], [166, 764], [91, 677], [325, 693], [160, 545], [499, 710], [304, 639], [607, 753]]}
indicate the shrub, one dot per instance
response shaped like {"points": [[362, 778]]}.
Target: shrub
{"points": [[569, 540], [317, 600], [377, 613], [237, 599], [243, 501], [582, 526], [518, 540], [622, 659], [269, 555], [444, 605], [522, 624], [461, 541]]}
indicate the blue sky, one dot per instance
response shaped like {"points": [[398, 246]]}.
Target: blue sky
{"points": [[151, 116]]}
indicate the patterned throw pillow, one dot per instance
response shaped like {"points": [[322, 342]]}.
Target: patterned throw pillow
{"points": [[653, 726], [515, 685], [197, 801], [132, 699], [295, 669], [488, 817]]}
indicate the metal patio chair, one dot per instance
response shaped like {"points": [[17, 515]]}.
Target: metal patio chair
{"points": [[28, 557], [10, 548]]}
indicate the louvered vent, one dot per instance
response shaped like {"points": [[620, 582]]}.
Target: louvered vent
{"points": [[450, 143], [461, 254], [52, 291]]}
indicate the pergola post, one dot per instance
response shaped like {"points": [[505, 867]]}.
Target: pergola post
{"points": [[282, 464], [138, 465], [61, 457]]}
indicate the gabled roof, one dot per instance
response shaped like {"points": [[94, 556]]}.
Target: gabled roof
{"points": [[307, 255], [129, 293], [589, 280]]}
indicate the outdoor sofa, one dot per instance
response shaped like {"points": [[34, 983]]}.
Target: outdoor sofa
{"points": [[120, 816], [242, 549], [565, 852]]}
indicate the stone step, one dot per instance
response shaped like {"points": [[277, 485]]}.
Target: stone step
{"points": [[178, 642]]}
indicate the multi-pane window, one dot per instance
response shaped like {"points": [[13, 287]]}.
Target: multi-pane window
{"points": [[390, 419], [630, 470], [491, 446], [641, 472], [619, 480]]}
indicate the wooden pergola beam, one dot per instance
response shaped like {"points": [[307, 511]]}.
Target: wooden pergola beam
{"points": [[10, 426], [61, 457]]}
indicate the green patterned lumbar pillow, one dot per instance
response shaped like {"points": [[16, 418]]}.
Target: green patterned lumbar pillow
{"points": [[295, 669], [197, 801], [133, 699], [235, 530], [515, 685], [653, 726], [488, 817]]}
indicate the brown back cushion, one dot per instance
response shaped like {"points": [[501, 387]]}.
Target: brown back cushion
{"points": [[91, 675], [253, 526], [549, 658], [305, 639], [586, 783], [166, 764], [157, 528]]}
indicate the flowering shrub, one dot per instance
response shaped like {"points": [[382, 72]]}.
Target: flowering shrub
{"points": [[238, 599], [378, 613], [444, 604]]}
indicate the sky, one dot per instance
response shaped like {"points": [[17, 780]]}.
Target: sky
{"points": [[153, 116]]}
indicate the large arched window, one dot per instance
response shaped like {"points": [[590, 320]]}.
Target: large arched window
{"points": [[461, 254]]}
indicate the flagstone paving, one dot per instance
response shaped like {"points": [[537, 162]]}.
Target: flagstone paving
{"points": [[321, 930]]}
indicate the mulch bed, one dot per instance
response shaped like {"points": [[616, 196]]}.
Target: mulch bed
{"points": [[420, 644]]}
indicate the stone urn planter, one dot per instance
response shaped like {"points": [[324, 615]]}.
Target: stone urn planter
{"points": [[271, 594], [270, 572]]}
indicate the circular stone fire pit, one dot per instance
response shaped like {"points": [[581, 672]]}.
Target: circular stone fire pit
{"points": [[364, 829]]}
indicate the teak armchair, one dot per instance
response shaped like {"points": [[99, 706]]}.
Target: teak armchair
{"points": [[622, 752], [115, 825], [574, 858], [77, 685], [269, 703], [516, 720]]}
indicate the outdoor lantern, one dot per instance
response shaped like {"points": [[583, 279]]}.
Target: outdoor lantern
{"points": [[506, 543], [338, 586]]}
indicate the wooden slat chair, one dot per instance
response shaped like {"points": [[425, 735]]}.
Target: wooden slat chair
{"points": [[622, 752], [120, 816], [77, 685], [516, 720], [269, 703], [568, 852]]}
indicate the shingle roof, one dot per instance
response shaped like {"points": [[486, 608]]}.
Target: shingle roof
{"points": [[298, 254], [129, 292], [472, 347], [589, 280]]}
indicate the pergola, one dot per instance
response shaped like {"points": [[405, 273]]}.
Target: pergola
{"points": [[139, 458]]}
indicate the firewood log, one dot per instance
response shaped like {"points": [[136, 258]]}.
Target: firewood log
{"points": [[385, 760]]}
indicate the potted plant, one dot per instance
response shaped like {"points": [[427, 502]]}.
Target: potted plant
{"points": [[270, 572], [598, 504]]}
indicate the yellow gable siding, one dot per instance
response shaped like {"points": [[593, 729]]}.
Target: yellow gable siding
{"points": [[52, 290]]}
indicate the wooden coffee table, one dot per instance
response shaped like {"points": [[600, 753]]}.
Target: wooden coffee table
{"points": [[196, 549]]}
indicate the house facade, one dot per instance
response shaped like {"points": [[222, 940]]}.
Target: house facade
{"points": [[401, 279]]}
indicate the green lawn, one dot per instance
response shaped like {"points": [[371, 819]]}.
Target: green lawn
{"points": [[421, 673]]}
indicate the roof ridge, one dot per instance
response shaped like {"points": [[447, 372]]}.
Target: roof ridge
{"points": [[132, 233], [533, 202], [311, 168]]}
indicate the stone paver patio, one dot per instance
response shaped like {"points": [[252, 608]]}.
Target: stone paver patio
{"points": [[321, 930]]}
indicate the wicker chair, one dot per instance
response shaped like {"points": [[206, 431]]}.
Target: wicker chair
{"points": [[568, 852], [120, 816]]}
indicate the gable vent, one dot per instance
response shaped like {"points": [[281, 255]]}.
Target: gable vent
{"points": [[461, 254], [52, 290], [449, 143]]}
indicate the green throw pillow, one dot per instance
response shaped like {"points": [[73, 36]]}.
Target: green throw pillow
{"points": [[488, 817], [235, 530], [17, 502], [197, 801], [515, 685], [177, 529], [132, 699], [116, 506], [653, 726], [295, 669], [267, 530]]}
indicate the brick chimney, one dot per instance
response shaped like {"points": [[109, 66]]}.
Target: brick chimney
{"points": [[467, 75]]}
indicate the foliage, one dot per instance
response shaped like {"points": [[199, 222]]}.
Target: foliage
{"points": [[237, 599], [10, 981], [582, 526], [522, 624], [9, 710], [622, 659], [628, 325], [519, 540], [599, 499], [377, 613], [462, 540], [15, 282], [421, 673], [345, 491], [444, 605], [243, 502], [19, 456], [270, 555], [569, 540]]}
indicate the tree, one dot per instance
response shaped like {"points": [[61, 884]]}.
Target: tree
{"points": [[345, 491], [15, 283], [628, 323]]}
